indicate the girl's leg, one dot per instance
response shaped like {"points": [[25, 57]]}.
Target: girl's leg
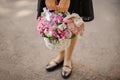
{"points": [[67, 67], [60, 57], [69, 51]]}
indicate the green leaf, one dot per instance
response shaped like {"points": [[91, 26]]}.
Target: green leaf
{"points": [[73, 36]]}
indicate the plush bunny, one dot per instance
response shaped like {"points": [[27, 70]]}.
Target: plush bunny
{"points": [[78, 22]]}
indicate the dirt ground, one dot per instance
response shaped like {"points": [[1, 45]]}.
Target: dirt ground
{"points": [[23, 55]]}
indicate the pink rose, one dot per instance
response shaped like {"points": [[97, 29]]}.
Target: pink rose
{"points": [[41, 33], [61, 37], [59, 19], [39, 26], [54, 34], [39, 18]]}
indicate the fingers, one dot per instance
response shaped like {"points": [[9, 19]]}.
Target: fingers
{"points": [[52, 8], [62, 9], [63, 5], [51, 5], [59, 8]]}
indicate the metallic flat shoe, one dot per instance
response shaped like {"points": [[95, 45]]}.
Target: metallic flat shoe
{"points": [[57, 65], [66, 74]]}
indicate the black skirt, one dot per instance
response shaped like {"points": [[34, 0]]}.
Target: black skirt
{"points": [[82, 7]]}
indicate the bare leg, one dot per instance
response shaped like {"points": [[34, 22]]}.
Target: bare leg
{"points": [[68, 54], [67, 67], [54, 63], [57, 59], [60, 57]]}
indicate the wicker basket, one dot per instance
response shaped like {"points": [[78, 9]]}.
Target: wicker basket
{"points": [[57, 46]]}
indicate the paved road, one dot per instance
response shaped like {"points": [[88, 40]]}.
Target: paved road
{"points": [[23, 55]]}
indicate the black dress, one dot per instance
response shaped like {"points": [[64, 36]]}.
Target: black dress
{"points": [[82, 7]]}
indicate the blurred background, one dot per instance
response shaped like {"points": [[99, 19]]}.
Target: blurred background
{"points": [[23, 55]]}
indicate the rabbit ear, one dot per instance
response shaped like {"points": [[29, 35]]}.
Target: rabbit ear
{"points": [[71, 16], [74, 15], [67, 17]]}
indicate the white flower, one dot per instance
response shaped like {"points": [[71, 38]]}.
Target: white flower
{"points": [[48, 33], [47, 13], [48, 16], [62, 26], [60, 14]]}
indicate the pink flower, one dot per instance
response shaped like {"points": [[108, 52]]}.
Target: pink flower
{"points": [[41, 33], [46, 28], [55, 20], [46, 22], [55, 34], [51, 24], [39, 26], [53, 13], [61, 37], [39, 18], [59, 31], [59, 19], [68, 33]]}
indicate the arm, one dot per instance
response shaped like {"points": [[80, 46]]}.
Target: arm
{"points": [[51, 4], [63, 5]]}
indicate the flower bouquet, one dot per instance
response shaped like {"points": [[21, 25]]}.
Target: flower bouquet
{"points": [[53, 27]]}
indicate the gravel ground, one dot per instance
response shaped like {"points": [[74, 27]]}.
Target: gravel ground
{"points": [[23, 55]]}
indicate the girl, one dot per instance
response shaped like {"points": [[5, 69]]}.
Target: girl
{"points": [[82, 7]]}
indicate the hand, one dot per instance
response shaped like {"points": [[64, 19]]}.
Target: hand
{"points": [[51, 4], [63, 5]]}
